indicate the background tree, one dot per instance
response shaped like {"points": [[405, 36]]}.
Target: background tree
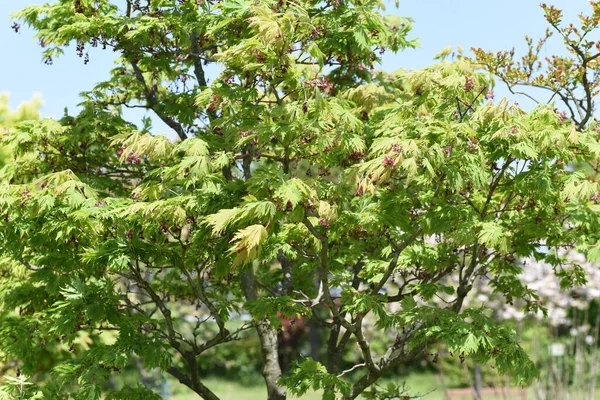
{"points": [[572, 79], [570, 82], [302, 183], [9, 119]]}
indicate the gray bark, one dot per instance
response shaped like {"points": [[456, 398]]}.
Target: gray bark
{"points": [[268, 344]]}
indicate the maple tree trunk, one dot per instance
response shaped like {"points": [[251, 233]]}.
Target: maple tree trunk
{"points": [[268, 344], [271, 369]]}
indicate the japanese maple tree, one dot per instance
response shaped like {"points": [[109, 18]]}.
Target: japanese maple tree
{"points": [[302, 182]]}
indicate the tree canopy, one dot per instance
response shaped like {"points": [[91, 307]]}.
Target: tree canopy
{"points": [[9, 118], [302, 182]]}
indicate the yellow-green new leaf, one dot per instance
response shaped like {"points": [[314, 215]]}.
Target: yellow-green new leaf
{"points": [[247, 243], [222, 219]]}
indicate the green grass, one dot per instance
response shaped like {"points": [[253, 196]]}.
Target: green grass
{"points": [[231, 390], [426, 385]]}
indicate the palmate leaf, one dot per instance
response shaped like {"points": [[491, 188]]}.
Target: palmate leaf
{"points": [[247, 243], [192, 146], [252, 210], [525, 150], [494, 235], [156, 147], [593, 254], [327, 211], [314, 50], [294, 191], [221, 220], [361, 38], [579, 188]]}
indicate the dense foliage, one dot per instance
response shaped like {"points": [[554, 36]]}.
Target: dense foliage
{"points": [[302, 183], [570, 81], [9, 118]]}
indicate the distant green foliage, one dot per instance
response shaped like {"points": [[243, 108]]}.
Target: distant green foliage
{"points": [[302, 183], [25, 111], [9, 118]]}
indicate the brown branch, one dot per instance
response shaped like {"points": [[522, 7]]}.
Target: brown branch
{"points": [[150, 94], [392, 265], [286, 269], [198, 69], [197, 387]]}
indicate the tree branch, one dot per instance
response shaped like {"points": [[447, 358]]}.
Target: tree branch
{"points": [[150, 94], [286, 268], [394, 262], [199, 388]]}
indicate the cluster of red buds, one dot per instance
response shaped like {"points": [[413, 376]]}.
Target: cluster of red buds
{"points": [[469, 83], [323, 84], [472, 144], [388, 162], [356, 156], [260, 56], [317, 32], [489, 95], [132, 158], [396, 148], [215, 100], [562, 115], [244, 134], [80, 52]]}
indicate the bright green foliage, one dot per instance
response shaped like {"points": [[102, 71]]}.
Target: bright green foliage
{"points": [[302, 183], [8, 118], [25, 111], [571, 81], [16, 387]]}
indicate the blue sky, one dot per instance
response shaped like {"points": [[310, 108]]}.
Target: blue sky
{"points": [[490, 24]]}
